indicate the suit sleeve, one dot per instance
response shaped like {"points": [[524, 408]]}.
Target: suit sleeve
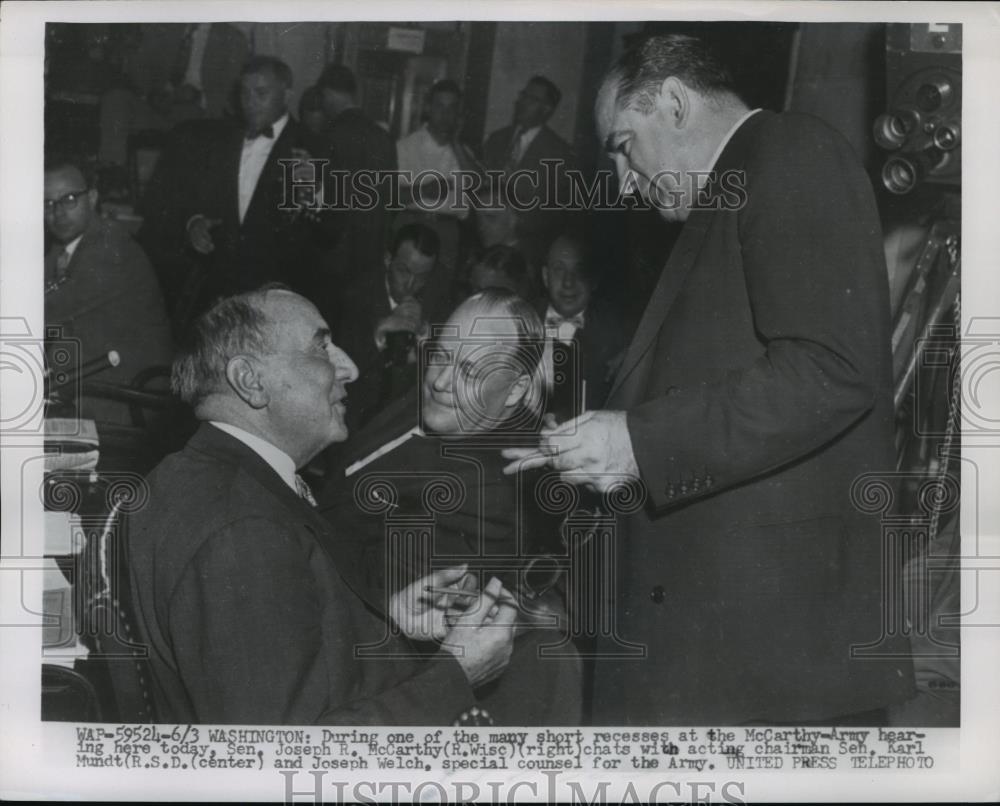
{"points": [[246, 624], [815, 277]]}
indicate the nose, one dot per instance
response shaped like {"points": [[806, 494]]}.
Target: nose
{"points": [[346, 369], [626, 177], [568, 280], [442, 382]]}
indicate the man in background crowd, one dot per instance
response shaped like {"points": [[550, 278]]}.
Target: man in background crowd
{"points": [[100, 288], [522, 147], [385, 313], [218, 217], [586, 333], [435, 148]]}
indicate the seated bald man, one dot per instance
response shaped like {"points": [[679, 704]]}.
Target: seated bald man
{"points": [[240, 587], [422, 488]]}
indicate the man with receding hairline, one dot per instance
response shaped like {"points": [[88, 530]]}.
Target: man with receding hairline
{"points": [[245, 596], [756, 389]]}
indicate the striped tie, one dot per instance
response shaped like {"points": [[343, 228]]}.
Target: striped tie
{"points": [[303, 490]]}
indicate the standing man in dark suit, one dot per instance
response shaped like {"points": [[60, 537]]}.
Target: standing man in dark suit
{"points": [[226, 210], [356, 143], [756, 389], [99, 286], [243, 592], [521, 149]]}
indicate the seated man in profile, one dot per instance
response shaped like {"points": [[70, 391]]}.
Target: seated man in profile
{"points": [[242, 591], [422, 487]]}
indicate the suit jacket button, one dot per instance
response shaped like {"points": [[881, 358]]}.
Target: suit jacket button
{"points": [[657, 594]]}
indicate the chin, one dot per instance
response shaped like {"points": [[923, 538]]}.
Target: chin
{"points": [[438, 419]]}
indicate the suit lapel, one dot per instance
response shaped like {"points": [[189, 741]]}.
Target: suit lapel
{"points": [[672, 277], [263, 198], [231, 171]]}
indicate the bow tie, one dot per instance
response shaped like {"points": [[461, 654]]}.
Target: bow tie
{"points": [[267, 131], [565, 327], [557, 320]]}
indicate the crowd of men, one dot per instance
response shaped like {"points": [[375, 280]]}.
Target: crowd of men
{"points": [[438, 377]]}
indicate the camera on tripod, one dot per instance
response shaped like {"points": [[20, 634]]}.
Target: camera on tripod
{"points": [[922, 128]]}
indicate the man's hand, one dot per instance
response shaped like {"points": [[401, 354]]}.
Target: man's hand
{"points": [[593, 449], [482, 638], [408, 315], [421, 613], [199, 231]]}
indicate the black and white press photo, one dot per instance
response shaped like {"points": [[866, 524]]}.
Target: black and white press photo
{"points": [[512, 403]]}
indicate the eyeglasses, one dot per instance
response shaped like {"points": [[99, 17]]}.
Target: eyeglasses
{"points": [[67, 202]]}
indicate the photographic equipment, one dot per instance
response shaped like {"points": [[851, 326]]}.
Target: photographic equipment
{"points": [[922, 128]]}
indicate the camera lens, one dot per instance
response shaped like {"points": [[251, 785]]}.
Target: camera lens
{"points": [[946, 137], [934, 94], [900, 175], [892, 129]]}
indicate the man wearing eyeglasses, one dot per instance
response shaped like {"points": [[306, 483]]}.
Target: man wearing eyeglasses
{"points": [[100, 288], [422, 488]]}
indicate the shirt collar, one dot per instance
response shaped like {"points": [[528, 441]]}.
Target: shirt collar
{"points": [[388, 295], [728, 137], [70, 248], [277, 459], [276, 128]]}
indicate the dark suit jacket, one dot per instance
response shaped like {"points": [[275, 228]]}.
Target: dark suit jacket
{"points": [[455, 487], [365, 304], [757, 388], [535, 228], [356, 143], [110, 301], [239, 593], [200, 175]]}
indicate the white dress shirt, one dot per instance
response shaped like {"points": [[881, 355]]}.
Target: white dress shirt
{"points": [[252, 160], [563, 328], [524, 143], [280, 462]]}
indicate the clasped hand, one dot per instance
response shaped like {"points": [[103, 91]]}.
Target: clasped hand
{"points": [[476, 627]]}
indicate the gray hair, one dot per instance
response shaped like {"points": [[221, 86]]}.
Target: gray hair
{"points": [[530, 347], [234, 326], [639, 72]]}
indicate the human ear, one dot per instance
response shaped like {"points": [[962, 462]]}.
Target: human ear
{"points": [[518, 391], [675, 100], [243, 375]]}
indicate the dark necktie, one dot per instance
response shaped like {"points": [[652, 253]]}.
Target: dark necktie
{"points": [[267, 131]]}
